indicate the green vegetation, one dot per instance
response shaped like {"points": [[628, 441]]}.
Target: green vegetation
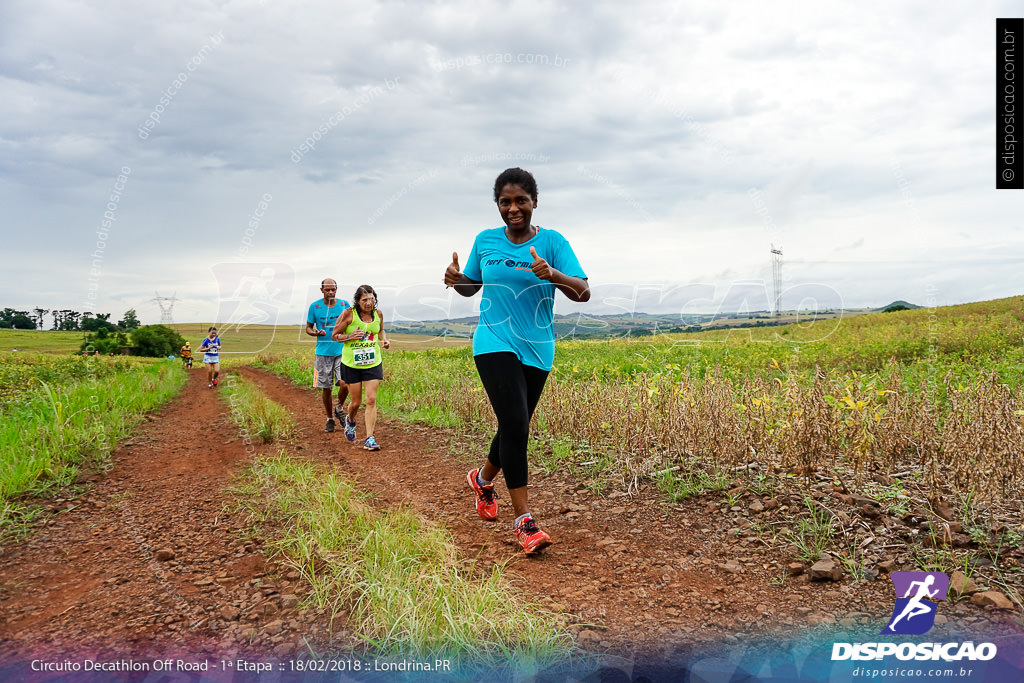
{"points": [[129, 321], [105, 342], [37, 341], [62, 413], [255, 414], [239, 344], [65, 320], [100, 322], [679, 485], [24, 373], [814, 531], [18, 320], [406, 588], [297, 368], [156, 341], [249, 340]]}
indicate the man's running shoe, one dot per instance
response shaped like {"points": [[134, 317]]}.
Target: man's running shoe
{"points": [[214, 382], [531, 537], [486, 505], [350, 429], [371, 444], [339, 414], [211, 385], [329, 427]]}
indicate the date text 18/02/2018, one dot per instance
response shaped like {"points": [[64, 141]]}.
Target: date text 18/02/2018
{"points": [[329, 665]]}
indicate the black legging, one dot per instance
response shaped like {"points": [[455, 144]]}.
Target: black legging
{"points": [[514, 390]]}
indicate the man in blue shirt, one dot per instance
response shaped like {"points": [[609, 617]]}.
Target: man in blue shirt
{"points": [[320, 319]]}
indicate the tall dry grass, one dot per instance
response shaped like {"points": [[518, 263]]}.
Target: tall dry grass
{"points": [[932, 393], [970, 440]]}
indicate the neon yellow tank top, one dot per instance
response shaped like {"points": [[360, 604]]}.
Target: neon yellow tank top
{"points": [[363, 353]]}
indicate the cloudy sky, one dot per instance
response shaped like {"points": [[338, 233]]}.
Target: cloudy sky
{"points": [[232, 154]]}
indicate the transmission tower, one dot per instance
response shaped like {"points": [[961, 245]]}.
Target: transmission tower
{"points": [[777, 278], [166, 305]]}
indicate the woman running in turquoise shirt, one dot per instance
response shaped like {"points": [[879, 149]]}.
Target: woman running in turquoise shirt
{"points": [[519, 267]]}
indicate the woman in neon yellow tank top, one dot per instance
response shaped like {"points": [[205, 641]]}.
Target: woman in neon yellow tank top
{"points": [[362, 329]]}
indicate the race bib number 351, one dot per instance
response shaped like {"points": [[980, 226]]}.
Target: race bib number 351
{"points": [[366, 356]]}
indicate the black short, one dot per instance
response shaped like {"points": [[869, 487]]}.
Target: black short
{"points": [[356, 375]]}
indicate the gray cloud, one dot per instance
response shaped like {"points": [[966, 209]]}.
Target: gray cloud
{"points": [[647, 125]]}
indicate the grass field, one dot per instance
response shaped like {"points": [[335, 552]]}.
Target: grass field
{"points": [[287, 339], [246, 341], [60, 413], [38, 341]]}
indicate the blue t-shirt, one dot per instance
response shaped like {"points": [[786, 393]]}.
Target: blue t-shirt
{"points": [[211, 347], [324, 318], [517, 307]]}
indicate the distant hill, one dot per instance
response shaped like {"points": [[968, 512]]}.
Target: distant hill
{"points": [[899, 305], [580, 326]]}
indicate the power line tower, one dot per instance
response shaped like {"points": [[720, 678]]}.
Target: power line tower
{"points": [[777, 278], [166, 305]]}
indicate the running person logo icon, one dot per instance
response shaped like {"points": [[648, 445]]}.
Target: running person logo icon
{"points": [[914, 612]]}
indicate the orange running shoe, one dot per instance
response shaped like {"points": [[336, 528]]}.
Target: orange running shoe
{"points": [[486, 505], [531, 537]]}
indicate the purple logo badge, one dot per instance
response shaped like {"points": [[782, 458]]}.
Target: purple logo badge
{"points": [[917, 596]]}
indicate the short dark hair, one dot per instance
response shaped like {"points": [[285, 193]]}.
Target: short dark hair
{"points": [[516, 176], [212, 328]]}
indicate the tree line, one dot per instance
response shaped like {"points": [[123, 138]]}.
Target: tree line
{"points": [[66, 320], [102, 336]]}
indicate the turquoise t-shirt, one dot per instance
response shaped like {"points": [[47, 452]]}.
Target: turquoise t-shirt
{"points": [[517, 307], [324, 318]]}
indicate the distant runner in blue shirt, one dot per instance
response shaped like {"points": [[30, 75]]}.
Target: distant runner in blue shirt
{"points": [[211, 355], [320, 320], [519, 267]]}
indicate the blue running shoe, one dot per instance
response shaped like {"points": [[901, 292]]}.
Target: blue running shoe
{"points": [[350, 429], [371, 444]]}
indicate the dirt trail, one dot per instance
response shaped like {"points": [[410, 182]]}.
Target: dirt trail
{"points": [[94, 575], [633, 575]]}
